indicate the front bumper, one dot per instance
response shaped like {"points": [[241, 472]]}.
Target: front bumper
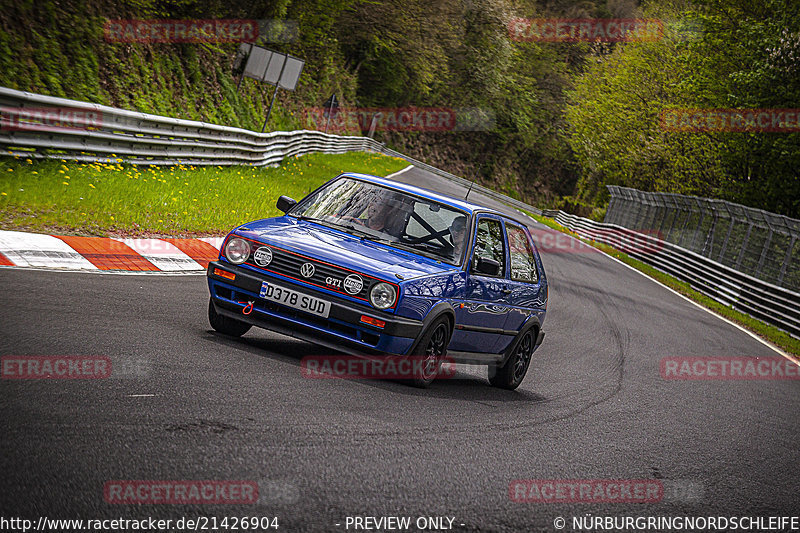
{"points": [[342, 330]]}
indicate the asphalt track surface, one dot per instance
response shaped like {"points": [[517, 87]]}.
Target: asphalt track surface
{"points": [[200, 406]]}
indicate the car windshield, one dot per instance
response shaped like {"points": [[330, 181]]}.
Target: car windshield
{"points": [[389, 216]]}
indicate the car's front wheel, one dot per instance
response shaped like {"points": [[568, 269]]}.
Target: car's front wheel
{"points": [[510, 375], [430, 352], [223, 324]]}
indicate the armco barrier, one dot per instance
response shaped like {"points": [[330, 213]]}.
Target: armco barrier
{"points": [[765, 301], [100, 133]]}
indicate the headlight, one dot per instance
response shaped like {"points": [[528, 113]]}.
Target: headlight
{"points": [[237, 250], [383, 296]]}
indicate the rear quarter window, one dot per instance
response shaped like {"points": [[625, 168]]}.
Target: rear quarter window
{"points": [[523, 264]]}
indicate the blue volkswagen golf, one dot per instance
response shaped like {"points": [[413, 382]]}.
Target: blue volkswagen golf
{"points": [[372, 267]]}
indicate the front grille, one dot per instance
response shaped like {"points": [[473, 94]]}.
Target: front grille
{"points": [[325, 275]]}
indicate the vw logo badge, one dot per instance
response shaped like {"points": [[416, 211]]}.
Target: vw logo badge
{"points": [[307, 270], [353, 284], [263, 256]]}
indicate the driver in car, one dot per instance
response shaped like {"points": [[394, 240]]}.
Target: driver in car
{"points": [[386, 212], [377, 214], [458, 230]]}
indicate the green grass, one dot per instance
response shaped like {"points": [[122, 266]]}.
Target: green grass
{"points": [[766, 331], [66, 197]]}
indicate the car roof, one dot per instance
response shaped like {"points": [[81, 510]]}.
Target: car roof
{"points": [[425, 193]]}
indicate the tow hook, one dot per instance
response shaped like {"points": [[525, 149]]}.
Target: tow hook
{"points": [[247, 308]]}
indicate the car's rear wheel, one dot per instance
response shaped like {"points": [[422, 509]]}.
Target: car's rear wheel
{"points": [[223, 324], [510, 375], [430, 352]]}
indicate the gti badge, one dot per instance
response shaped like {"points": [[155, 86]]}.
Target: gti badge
{"points": [[263, 256], [307, 270], [353, 284]]}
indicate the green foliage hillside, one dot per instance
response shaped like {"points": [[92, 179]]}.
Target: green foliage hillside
{"points": [[569, 118], [725, 54]]}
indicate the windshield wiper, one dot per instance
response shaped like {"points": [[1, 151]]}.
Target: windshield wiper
{"points": [[353, 228], [426, 250]]}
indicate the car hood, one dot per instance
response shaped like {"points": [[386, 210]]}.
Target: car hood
{"points": [[326, 244]]}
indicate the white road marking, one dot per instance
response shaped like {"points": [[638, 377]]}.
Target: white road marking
{"points": [[390, 176]]}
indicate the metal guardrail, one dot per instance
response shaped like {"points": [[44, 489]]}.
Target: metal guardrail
{"points": [[756, 242], [775, 305], [101, 133]]}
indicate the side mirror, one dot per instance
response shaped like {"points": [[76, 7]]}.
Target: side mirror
{"points": [[285, 203], [487, 266]]}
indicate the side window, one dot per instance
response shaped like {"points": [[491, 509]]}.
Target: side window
{"points": [[523, 265], [489, 243]]}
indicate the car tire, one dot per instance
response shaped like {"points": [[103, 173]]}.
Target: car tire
{"points": [[432, 348], [510, 375], [223, 324]]}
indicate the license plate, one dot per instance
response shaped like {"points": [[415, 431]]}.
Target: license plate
{"points": [[292, 298]]}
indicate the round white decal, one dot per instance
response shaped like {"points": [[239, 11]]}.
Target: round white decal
{"points": [[263, 256], [353, 284]]}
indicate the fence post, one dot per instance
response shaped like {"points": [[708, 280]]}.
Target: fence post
{"points": [[709, 242], [744, 247], [764, 250], [786, 260], [727, 235], [693, 244], [677, 211], [613, 205]]}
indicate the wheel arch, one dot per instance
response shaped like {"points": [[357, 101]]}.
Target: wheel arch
{"points": [[440, 309], [532, 323]]}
